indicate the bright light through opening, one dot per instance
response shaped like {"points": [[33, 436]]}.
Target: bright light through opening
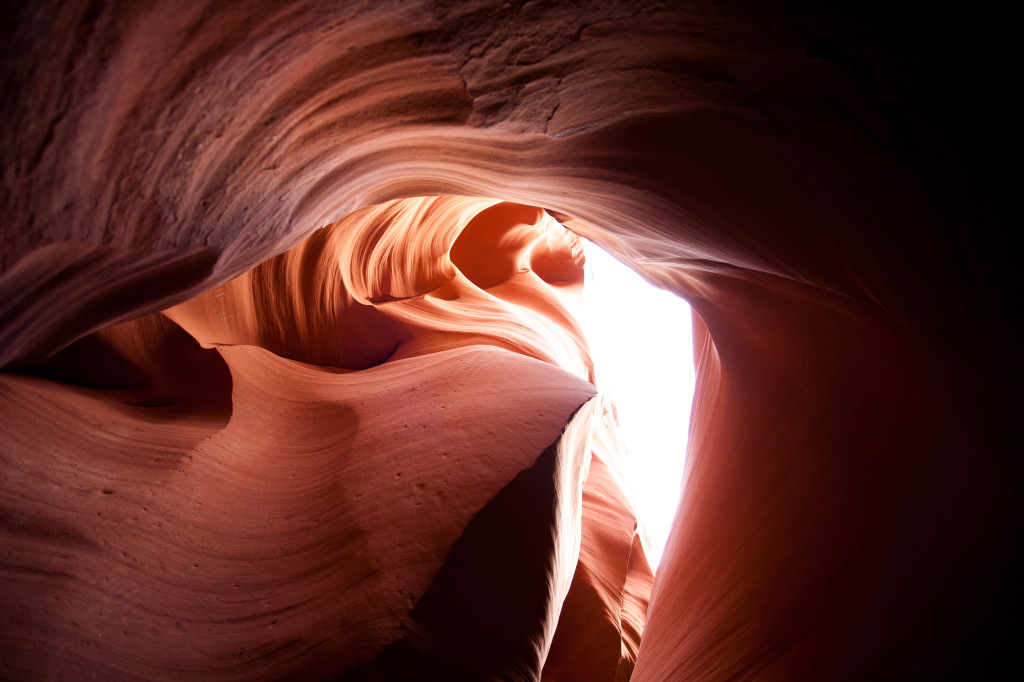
{"points": [[642, 343]]}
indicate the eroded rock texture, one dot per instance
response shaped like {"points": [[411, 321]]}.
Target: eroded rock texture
{"points": [[293, 386]]}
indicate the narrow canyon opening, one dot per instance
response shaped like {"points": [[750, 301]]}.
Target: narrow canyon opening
{"points": [[641, 342]]}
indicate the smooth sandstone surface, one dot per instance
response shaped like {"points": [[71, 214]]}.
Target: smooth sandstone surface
{"points": [[292, 385], [297, 535]]}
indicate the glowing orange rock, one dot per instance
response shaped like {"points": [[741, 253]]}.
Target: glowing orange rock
{"points": [[828, 187]]}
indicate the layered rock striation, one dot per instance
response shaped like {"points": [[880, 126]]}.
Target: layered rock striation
{"points": [[293, 388], [347, 460]]}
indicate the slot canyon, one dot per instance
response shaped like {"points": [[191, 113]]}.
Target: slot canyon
{"points": [[293, 387]]}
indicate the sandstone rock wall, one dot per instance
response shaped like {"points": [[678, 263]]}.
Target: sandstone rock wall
{"points": [[260, 258]]}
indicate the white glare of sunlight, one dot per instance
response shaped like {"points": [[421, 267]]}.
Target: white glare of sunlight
{"points": [[642, 344]]}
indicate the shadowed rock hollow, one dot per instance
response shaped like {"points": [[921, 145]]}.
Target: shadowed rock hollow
{"points": [[293, 386]]}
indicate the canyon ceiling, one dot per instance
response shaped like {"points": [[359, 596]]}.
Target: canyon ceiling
{"points": [[292, 387]]}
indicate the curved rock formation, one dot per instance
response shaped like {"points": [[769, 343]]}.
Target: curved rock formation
{"points": [[293, 385]]}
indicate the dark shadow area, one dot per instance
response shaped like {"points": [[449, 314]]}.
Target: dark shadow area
{"points": [[151, 363], [482, 616]]}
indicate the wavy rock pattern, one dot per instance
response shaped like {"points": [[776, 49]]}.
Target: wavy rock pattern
{"points": [[293, 387]]}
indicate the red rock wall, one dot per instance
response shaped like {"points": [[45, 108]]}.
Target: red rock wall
{"points": [[828, 187]]}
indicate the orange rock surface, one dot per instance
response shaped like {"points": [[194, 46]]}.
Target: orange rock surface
{"points": [[292, 385]]}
